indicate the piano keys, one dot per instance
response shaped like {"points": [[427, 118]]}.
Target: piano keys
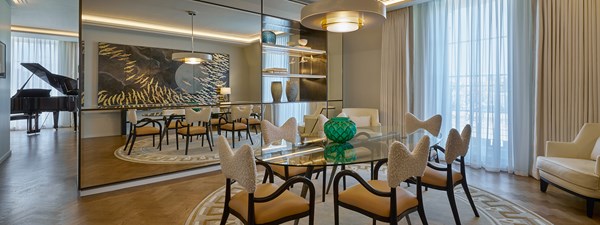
{"points": [[30, 103]]}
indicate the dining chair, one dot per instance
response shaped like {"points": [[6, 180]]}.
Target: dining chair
{"points": [[237, 114], [384, 200], [263, 203], [433, 125], [140, 128], [288, 132], [256, 117], [187, 129], [446, 178], [170, 118], [218, 118]]}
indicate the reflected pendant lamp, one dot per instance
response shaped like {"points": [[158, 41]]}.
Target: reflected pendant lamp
{"points": [[342, 16], [191, 57]]}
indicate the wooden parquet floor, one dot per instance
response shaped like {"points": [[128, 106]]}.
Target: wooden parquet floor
{"points": [[38, 186]]}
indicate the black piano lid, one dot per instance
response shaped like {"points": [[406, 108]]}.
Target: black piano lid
{"points": [[65, 85]]}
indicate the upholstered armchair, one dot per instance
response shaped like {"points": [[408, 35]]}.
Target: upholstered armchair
{"points": [[363, 117], [314, 126], [140, 128], [574, 166], [170, 116], [384, 200], [263, 203], [237, 115], [187, 129]]}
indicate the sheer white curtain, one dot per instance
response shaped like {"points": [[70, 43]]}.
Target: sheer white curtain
{"points": [[59, 57], [474, 58]]}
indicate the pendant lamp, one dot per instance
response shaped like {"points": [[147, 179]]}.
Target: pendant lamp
{"points": [[342, 16], [191, 57]]}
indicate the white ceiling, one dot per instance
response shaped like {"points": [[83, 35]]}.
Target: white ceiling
{"points": [[48, 14]]}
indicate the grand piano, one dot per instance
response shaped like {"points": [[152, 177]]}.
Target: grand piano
{"points": [[30, 103]]}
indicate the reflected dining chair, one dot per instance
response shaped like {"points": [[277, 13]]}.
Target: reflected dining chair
{"points": [[384, 200], [140, 128], [187, 129], [432, 125], [254, 121], [237, 114], [288, 132], [263, 203], [446, 178], [170, 118]]}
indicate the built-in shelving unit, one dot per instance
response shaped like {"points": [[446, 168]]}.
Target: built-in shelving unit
{"points": [[270, 48]]}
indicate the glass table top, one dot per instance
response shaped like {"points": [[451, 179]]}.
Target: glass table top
{"points": [[370, 144]]}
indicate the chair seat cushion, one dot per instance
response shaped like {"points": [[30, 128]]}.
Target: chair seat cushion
{"points": [[173, 124], [438, 178], [253, 121], [147, 131], [360, 197], [217, 121], [238, 126], [195, 130], [287, 204], [576, 171]]}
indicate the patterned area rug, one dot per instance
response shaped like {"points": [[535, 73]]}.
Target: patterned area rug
{"points": [[492, 209], [144, 152]]}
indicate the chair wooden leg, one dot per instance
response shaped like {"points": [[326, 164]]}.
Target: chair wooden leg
{"points": [[248, 132], [225, 216], [210, 145], [153, 140], [543, 185], [202, 140], [590, 207], [232, 139], [408, 220], [187, 143], [239, 135], [127, 142], [132, 144], [452, 200], [374, 222], [333, 170], [160, 142], [468, 193], [167, 134], [177, 141], [336, 211], [324, 182], [421, 211]]}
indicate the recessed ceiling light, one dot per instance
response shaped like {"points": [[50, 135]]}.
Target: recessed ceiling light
{"points": [[20, 2]]}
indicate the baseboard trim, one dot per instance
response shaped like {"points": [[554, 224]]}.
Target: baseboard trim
{"points": [[145, 181], [5, 156]]}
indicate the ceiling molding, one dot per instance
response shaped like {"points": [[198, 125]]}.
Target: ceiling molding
{"points": [[34, 30], [107, 22]]}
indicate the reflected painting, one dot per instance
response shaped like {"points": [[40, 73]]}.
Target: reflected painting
{"points": [[133, 75]]}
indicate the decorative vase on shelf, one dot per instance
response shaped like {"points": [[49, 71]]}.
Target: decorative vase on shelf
{"points": [[276, 91], [291, 90], [340, 129], [268, 37]]}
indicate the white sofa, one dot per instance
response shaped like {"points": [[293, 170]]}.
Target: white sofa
{"points": [[574, 166], [363, 117]]}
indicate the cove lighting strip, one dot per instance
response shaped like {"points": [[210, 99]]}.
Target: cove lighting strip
{"points": [[43, 31], [141, 26], [391, 2]]}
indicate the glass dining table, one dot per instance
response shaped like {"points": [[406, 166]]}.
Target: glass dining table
{"points": [[370, 145]]}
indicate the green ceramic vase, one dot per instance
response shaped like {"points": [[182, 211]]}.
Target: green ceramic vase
{"points": [[340, 153], [340, 129]]}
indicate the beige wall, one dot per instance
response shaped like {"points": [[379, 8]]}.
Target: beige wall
{"points": [[5, 83], [362, 68]]}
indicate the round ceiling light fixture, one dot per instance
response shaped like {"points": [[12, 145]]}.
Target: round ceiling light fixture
{"points": [[192, 58], [342, 16]]}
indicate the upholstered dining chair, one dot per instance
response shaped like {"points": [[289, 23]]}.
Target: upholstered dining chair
{"points": [[187, 129], [288, 132], [140, 128], [446, 178], [237, 114], [263, 203], [383, 200], [255, 118], [218, 118], [432, 125], [169, 116]]}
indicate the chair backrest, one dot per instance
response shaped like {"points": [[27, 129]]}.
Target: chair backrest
{"points": [[257, 109], [587, 136], [319, 128], [432, 125], [271, 133], [191, 116], [168, 112], [355, 113], [457, 144], [403, 164], [132, 116], [240, 112], [238, 165]]}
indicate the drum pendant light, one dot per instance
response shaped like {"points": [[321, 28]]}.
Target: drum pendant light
{"points": [[342, 16], [191, 57]]}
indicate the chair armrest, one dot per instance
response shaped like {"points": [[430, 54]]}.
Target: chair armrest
{"points": [[360, 180], [285, 186], [436, 167], [377, 167], [146, 121], [268, 171], [562, 149]]}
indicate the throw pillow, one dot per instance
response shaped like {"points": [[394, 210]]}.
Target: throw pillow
{"points": [[361, 121], [596, 150], [342, 115]]}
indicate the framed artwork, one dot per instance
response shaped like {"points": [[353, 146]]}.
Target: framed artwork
{"points": [[2, 60], [136, 75]]}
